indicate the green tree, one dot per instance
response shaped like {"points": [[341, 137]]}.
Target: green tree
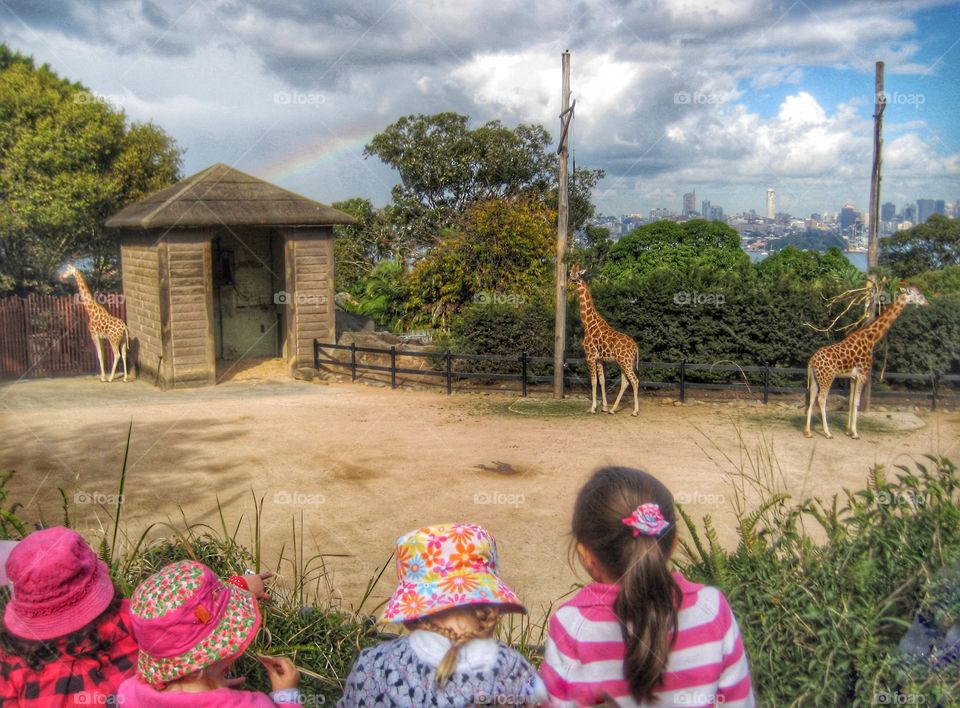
{"points": [[500, 250], [358, 248], [693, 245], [445, 166], [67, 160], [385, 294], [929, 246], [810, 267]]}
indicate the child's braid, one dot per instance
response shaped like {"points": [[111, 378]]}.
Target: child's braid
{"points": [[486, 618]]}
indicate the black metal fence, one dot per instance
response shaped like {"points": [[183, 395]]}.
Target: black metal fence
{"points": [[938, 387]]}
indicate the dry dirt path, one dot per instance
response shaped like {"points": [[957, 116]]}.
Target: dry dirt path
{"points": [[366, 464]]}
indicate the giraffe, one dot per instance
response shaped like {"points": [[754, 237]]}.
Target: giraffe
{"points": [[102, 325], [851, 358], [602, 343]]}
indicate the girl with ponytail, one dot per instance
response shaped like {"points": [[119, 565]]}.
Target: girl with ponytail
{"points": [[640, 635]]}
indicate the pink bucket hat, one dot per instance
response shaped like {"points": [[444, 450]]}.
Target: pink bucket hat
{"points": [[185, 618], [447, 566], [58, 585]]}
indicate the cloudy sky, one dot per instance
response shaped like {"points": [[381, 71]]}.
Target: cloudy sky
{"points": [[728, 97]]}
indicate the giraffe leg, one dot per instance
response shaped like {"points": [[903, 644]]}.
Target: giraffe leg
{"points": [[116, 360], [635, 383], [623, 387], [602, 384], [822, 400], [855, 411], [592, 368], [812, 392], [851, 402], [123, 354], [99, 348]]}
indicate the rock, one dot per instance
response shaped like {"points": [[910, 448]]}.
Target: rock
{"points": [[666, 401], [304, 374]]}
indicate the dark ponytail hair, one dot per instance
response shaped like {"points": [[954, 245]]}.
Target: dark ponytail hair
{"points": [[649, 597]]}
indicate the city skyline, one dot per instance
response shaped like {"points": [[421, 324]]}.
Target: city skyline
{"points": [[727, 97]]}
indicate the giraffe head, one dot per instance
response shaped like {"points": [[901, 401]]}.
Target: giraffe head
{"points": [[913, 296], [576, 274], [69, 271]]}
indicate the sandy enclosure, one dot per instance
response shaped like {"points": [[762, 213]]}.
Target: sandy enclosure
{"points": [[365, 464]]}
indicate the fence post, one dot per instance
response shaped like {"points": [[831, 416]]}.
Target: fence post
{"points": [[316, 353], [523, 374], [766, 385], [449, 364], [393, 366], [683, 381], [934, 377], [353, 361]]}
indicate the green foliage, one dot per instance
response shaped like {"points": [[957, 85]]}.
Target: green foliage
{"points": [[925, 339], [929, 246], [385, 294], [358, 248], [505, 329], [499, 250], [823, 591], [667, 245], [811, 267], [11, 527], [935, 283], [67, 160], [445, 166], [811, 240]]}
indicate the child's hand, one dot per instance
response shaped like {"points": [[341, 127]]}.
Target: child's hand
{"points": [[283, 674], [256, 585]]}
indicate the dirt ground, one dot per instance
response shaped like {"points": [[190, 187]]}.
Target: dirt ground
{"points": [[364, 464]]}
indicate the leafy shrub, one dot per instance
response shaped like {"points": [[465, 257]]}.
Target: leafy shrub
{"points": [[821, 619]]}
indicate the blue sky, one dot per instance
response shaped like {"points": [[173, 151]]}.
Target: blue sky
{"points": [[727, 97]]}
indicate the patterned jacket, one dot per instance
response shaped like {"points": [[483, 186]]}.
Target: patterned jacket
{"points": [[395, 674], [69, 680]]}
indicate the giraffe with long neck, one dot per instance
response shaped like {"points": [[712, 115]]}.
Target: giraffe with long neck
{"points": [[102, 325], [851, 358], [602, 343]]}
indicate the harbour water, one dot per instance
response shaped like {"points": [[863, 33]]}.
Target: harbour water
{"points": [[858, 258]]}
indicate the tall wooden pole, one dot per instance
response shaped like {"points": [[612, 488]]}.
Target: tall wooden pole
{"points": [[560, 319], [873, 234]]}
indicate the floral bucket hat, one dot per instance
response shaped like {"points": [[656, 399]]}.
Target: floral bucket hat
{"points": [[447, 566], [185, 618]]}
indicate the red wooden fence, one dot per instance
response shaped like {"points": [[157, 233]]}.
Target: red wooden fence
{"points": [[46, 335]]}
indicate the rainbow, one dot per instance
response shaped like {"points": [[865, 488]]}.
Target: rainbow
{"points": [[302, 160]]}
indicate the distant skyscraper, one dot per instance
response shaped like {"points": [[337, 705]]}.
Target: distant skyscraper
{"points": [[716, 213], [925, 208], [705, 208], [771, 204], [849, 215], [888, 212], [940, 207], [690, 203], [910, 213]]}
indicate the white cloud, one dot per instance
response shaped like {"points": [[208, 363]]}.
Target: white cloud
{"points": [[669, 94]]}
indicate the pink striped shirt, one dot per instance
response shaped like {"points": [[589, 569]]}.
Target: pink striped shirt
{"points": [[583, 661]]}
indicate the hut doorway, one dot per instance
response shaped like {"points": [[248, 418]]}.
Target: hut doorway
{"points": [[249, 305]]}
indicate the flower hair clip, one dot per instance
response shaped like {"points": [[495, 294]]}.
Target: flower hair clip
{"points": [[648, 520]]}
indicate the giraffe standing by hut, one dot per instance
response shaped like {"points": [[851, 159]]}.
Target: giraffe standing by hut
{"points": [[102, 325], [602, 343], [851, 358]]}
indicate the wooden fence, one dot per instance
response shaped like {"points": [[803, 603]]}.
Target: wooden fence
{"points": [[748, 381], [47, 335]]}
